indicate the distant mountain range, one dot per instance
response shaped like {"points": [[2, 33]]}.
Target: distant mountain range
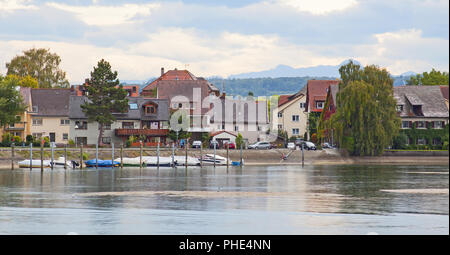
{"points": [[282, 79]]}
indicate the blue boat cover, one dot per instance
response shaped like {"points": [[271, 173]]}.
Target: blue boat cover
{"points": [[101, 163]]}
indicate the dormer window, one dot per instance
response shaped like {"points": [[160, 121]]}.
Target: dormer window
{"points": [[150, 109], [35, 108], [399, 108], [319, 104]]}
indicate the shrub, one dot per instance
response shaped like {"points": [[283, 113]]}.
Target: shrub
{"points": [[71, 142], [400, 141], [239, 140], [348, 144], [17, 139]]}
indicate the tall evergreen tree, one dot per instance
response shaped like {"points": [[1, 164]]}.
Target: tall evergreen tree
{"points": [[366, 119], [105, 97]]}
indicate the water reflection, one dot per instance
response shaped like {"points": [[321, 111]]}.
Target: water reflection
{"points": [[315, 199]]}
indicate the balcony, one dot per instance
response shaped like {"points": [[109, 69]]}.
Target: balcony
{"points": [[138, 132], [20, 126]]}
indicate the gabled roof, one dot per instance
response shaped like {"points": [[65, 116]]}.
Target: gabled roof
{"points": [[444, 90], [173, 75], [317, 90], [51, 102], [283, 99], [223, 131], [133, 114], [428, 97]]}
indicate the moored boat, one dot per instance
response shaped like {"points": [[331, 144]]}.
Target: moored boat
{"points": [[209, 159], [101, 163]]}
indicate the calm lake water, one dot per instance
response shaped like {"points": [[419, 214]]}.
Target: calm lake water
{"points": [[252, 200]]}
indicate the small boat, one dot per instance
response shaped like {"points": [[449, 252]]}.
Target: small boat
{"points": [[191, 161], [130, 161], [209, 159], [101, 163], [163, 161], [36, 163]]}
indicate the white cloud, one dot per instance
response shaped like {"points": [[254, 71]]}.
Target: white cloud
{"points": [[405, 50], [318, 7], [13, 5], [100, 15]]}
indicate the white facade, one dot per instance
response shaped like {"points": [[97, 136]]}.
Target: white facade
{"points": [[292, 117]]}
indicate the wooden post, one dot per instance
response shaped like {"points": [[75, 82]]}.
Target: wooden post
{"points": [[140, 156], [241, 156], [65, 156], [214, 154], [52, 158], [201, 154], [12, 156], [228, 151], [112, 155], [96, 155], [42, 156], [303, 156], [31, 156], [173, 155], [157, 156], [81, 155], [186, 149], [121, 155]]}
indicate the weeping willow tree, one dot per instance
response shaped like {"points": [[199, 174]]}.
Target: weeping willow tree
{"points": [[365, 121]]}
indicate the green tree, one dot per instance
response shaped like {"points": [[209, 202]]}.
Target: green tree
{"points": [[26, 81], [40, 64], [239, 140], [366, 120], [432, 78], [105, 97], [11, 102]]}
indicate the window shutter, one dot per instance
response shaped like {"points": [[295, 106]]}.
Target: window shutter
{"points": [[432, 124], [443, 124], [410, 124]]}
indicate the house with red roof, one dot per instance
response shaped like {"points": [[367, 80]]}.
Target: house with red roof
{"points": [[292, 117], [185, 92]]}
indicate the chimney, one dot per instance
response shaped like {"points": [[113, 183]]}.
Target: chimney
{"points": [[162, 71]]}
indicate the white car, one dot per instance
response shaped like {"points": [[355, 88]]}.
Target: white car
{"points": [[196, 144], [291, 146]]}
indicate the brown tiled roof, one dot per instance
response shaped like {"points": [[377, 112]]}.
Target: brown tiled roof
{"points": [[173, 75], [429, 97], [51, 102], [317, 90], [287, 98], [444, 90]]}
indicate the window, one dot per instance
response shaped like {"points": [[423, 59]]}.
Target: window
{"points": [[399, 108], [420, 124], [65, 136], [64, 122], [35, 108], [280, 127], [37, 135], [133, 106], [295, 131], [129, 125], [421, 141], [180, 105], [81, 140], [236, 128], [223, 126], [134, 89], [280, 115], [319, 104], [150, 109], [81, 125], [295, 118], [105, 126], [37, 122], [405, 124], [106, 140], [437, 141], [302, 105], [438, 124]]}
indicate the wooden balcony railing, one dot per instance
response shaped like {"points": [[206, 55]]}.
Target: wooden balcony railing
{"points": [[137, 132]]}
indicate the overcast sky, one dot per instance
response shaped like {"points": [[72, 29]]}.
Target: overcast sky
{"points": [[227, 37]]}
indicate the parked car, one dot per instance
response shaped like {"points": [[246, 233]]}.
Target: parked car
{"points": [[260, 146], [327, 146], [299, 142], [196, 144], [212, 143], [309, 146], [291, 146], [231, 145]]}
